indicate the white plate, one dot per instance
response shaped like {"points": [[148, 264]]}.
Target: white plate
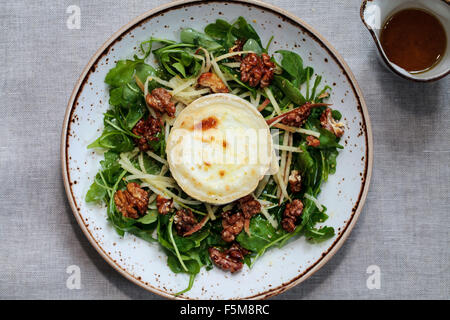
{"points": [[279, 269]]}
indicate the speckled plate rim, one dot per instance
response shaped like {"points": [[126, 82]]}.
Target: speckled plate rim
{"points": [[334, 247]]}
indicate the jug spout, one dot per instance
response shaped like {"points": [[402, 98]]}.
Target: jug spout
{"points": [[372, 14]]}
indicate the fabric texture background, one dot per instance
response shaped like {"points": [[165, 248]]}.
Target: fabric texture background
{"points": [[404, 228]]}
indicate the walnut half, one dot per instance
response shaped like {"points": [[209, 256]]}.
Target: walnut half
{"points": [[230, 259], [327, 121], [257, 70], [184, 221], [160, 100], [163, 205], [291, 214], [147, 130], [212, 81], [132, 202], [232, 224], [297, 117], [295, 181], [249, 207], [312, 141]]}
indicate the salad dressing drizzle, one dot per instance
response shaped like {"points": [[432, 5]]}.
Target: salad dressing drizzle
{"points": [[413, 39]]}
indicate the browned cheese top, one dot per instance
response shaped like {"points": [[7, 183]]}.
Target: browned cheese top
{"points": [[207, 123]]}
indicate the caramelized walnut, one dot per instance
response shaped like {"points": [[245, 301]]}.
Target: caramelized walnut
{"points": [[257, 70], [269, 68], [237, 252], [147, 130], [186, 224], [298, 117], [228, 260], [238, 46], [291, 213], [327, 121], [295, 181], [312, 141], [132, 202], [160, 100], [184, 221], [212, 81], [232, 225], [196, 227], [249, 207], [164, 205]]}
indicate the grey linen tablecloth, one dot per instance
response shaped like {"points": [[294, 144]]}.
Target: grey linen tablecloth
{"points": [[404, 229]]}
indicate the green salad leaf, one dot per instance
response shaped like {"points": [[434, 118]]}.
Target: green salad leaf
{"points": [[262, 233], [191, 36]]}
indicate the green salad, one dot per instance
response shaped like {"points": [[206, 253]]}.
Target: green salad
{"points": [[147, 93]]}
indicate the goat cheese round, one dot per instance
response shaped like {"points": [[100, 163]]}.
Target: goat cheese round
{"points": [[219, 148]]}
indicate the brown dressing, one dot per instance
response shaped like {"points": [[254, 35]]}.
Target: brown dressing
{"points": [[414, 40]]}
